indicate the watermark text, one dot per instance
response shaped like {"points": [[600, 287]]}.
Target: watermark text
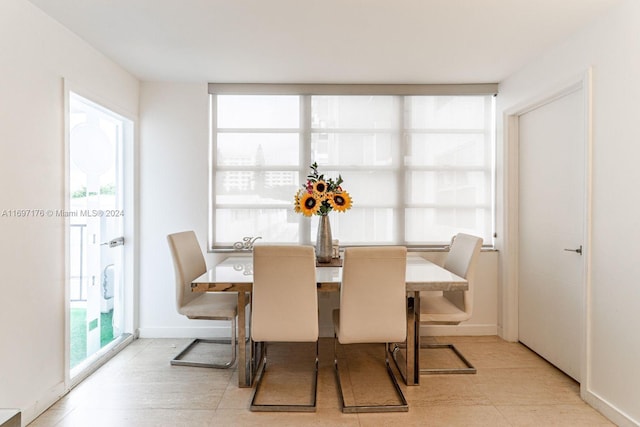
{"points": [[61, 213]]}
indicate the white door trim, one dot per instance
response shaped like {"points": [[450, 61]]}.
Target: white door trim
{"points": [[131, 208], [509, 271]]}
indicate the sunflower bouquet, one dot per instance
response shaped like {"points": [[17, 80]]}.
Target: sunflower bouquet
{"points": [[320, 195]]}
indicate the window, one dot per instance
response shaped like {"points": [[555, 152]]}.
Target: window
{"points": [[419, 166]]}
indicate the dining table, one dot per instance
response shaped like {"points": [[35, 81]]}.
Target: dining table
{"points": [[235, 274]]}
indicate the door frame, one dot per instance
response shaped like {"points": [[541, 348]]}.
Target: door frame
{"points": [[130, 227], [510, 269]]}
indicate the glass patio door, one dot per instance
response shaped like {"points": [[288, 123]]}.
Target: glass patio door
{"points": [[96, 228]]}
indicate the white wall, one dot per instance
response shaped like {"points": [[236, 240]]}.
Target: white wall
{"points": [[611, 45], [174, 137], [36, 53], [174, 165]]}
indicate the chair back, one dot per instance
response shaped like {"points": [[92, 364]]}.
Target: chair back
{"points": [[188, 264], [462, 260], [373, 301], [285, 296]]}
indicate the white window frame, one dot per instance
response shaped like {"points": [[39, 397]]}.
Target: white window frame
{"points": [[305, 91]]}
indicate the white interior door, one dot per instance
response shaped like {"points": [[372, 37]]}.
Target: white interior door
{"points": [[551, 230]]}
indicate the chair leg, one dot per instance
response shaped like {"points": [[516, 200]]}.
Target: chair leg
{"points": [[178, 361], [311, 407], [468, 369], [358, 409], [394, 349]]}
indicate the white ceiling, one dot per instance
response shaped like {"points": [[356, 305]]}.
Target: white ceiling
{"points": [[324, 41]]}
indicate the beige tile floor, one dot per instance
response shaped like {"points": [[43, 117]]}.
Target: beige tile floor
{"points": [[138, 387]]}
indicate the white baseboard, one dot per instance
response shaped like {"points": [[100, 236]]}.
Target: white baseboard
{"points": [[459, 330], [43, 403], [188, 332], [614, 415], [326, 330]]}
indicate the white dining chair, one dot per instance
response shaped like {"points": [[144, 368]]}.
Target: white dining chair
{"points": [[373, 309], [189, 263], [284, 309], [453, 307]]}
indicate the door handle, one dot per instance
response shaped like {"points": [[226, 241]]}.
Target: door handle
{"points": [[118, 241], [579, 250]]}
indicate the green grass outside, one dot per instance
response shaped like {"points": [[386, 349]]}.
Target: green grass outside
{"points": [[79, 333]]}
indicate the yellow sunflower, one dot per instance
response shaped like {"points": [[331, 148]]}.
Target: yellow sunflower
{"points": [[296, 204], [309, 205], [320, 189], [340, 201]]}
